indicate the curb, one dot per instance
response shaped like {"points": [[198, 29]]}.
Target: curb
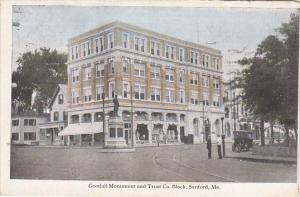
{"points": [[264, 160]]}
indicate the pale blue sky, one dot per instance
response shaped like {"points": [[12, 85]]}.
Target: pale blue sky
{"points": [[230, 28]]}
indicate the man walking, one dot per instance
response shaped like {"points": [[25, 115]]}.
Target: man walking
{"points": [[219, 143], [208, 146]]}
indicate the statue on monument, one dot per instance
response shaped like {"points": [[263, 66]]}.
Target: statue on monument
{"points": [[116, 105]]}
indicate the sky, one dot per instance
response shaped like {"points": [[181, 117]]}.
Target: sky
{"points": [[226, 29]]}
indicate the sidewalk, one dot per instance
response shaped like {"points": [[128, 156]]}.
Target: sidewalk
{"points": [[260, 158]]}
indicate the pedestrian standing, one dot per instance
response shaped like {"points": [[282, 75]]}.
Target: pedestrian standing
{"points": [[219, 143], [208, 146], [158, 140]]}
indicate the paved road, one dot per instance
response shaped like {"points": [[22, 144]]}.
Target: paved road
{"points": [[167, 163]]}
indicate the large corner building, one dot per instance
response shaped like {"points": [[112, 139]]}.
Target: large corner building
{"points": [[176, 86]]}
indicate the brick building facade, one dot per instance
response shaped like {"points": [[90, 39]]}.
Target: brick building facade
{"points": [[170, 80]]}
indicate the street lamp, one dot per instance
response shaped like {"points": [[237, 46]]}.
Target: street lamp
{"points": [[103, 97], [223, 137]]}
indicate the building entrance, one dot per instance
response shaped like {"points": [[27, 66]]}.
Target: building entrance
{"points": [[142, 132]]}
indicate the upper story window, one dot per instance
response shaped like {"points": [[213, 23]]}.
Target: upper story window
{"points": [[194, 98], [152, 48], [155, 48], [75, 75], [182, 96], [75, 96], [126, 90], [139, 70], [74, 119], [15, 123], [76, 52], [169, 52], [29, 122], [194, 57], [139, 44], [170, 96], [155, 94], [125, 40], [155, 72], [112, 65], [181, 54], [139, 92], [100, 70], [143, 44], [205, 98], [126, 64], [87, 94], [214, 62], [99, 46], [181, 76], [218, 64], [99, 92], [72, 53], [112, 90], [216, 101], [86, 48], [60, 99], [136, 43], [169, 74], [55, 116], [216, 83], [87, 73], [205, 81], [207, 58], [203, 60], [110, 40], [194, 79]]}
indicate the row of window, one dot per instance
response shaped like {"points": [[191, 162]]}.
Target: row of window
{"points": [[56, 116], [85, 49], [27, 122], [28, 136], [98, 116], [140, 44], [140, 71], [139, 91]]}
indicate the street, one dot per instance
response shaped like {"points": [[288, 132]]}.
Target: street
{"points": [[166, 163]]}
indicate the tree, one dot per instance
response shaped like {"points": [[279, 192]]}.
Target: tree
{"points": [[290, 32], [270, 83], [40, 72]]}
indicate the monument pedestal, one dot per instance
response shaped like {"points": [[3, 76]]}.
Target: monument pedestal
{"points": [[115, 135]]}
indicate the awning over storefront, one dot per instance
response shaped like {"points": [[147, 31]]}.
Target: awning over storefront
{"points": [[49, 125], [82, 128]]}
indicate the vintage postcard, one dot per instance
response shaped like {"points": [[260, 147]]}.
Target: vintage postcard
{"points": [[149, 98]]}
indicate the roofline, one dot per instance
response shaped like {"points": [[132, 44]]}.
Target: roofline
{"points": [[142, 30], [54, 97]]}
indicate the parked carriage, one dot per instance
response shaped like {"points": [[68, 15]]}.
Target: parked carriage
{"points": [[243, 141]]}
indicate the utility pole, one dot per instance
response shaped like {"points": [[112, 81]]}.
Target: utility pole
{"points": [[103, 111], [234, 123], [131, 113], [203, 121], [223, 137], [131, 104]]}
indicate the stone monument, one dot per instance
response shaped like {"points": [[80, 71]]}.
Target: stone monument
{"points": [[115, 136]]}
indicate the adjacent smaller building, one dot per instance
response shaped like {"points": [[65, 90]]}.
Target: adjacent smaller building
{"points": [[48, 131], [25, 127]]}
